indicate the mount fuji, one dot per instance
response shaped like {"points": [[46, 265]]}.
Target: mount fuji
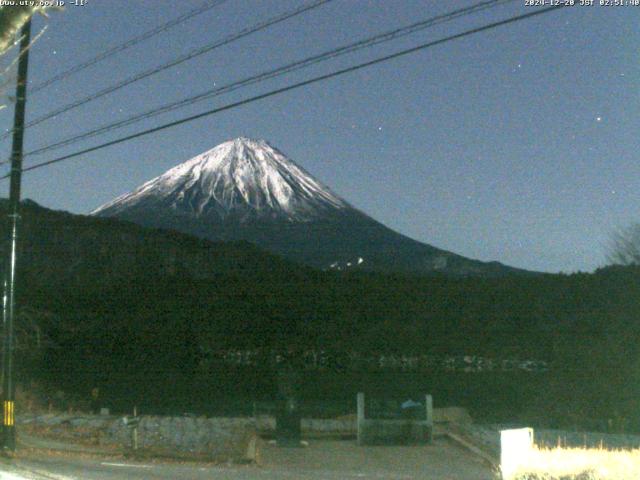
{"points": [[246, 189]]}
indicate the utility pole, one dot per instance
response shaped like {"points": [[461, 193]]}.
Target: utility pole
{"points": [[9, 303]]}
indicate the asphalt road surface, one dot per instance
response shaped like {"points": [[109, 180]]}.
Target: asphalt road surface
{"points": [[321, 460]]}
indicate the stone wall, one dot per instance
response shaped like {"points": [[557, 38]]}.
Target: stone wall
{"points": [[214, 436], [217, 438], [195, 435]]}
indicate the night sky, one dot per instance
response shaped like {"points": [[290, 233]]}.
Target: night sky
{"points": [[519, 144]]}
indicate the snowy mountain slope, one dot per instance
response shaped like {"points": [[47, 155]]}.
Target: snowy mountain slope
{"points": [[247, 190], [242, 179]]}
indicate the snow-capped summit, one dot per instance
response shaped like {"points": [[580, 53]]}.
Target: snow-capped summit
{"points": [[241, 179], [247, 190]]}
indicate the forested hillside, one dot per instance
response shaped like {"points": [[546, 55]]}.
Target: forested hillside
{"points": [[139, 311]]}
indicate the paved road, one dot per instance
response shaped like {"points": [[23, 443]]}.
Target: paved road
{"points": [[322, 460]]}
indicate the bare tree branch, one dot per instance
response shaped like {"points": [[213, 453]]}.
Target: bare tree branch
{"points": [[624, 248]]}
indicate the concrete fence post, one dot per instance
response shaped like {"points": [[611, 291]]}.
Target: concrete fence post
{"points": [[515, 447], [429, 411], [360, 420]]}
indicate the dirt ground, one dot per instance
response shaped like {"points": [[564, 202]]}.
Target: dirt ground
{"points": [[339, 459], [321, 460]]}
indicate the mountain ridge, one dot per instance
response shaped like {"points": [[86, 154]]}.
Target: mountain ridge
{"points": [[246, 189]]}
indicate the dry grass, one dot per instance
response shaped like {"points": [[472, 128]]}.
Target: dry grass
{"points": [[578, 464]]}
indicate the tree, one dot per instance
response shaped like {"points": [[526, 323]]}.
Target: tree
{"points": [[624, 248]]}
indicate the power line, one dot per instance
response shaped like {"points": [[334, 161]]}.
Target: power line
{"points": [[128, 44], [294, 86], [183, 58], [307, 62]]}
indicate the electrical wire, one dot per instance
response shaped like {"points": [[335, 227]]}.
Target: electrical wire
{"points": [[183, 58], [294, 86], [126, 45], [307, 62]]}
